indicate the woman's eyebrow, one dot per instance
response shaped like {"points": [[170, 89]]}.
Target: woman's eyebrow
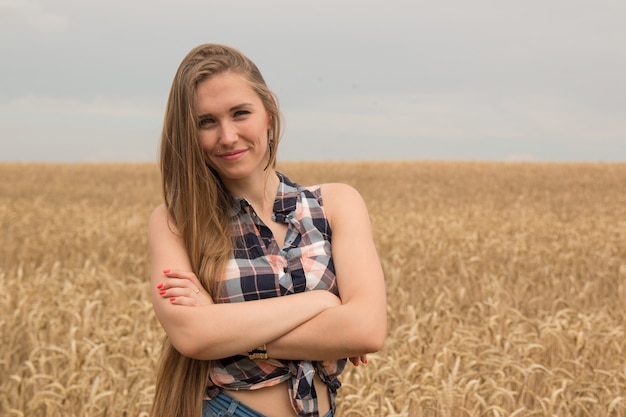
{"points": [[240, 106], [232, 109]]}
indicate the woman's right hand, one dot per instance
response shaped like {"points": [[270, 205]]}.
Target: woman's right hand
{"points": [[183, 288]]}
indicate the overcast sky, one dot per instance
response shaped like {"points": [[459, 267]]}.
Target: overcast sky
{"points": [[536, 80]]}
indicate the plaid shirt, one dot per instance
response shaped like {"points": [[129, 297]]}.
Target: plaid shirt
{"points": [[261, 269]]}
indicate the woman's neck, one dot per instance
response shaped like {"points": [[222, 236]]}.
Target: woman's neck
{"points": [[259, 191]]}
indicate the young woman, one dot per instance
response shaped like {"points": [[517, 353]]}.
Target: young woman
{"points": [[264, 288]]}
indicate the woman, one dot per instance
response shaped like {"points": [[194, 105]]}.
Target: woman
{"points": [[259, 309]]}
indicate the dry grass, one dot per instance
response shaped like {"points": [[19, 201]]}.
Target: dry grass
{"points": [[506, 287]]}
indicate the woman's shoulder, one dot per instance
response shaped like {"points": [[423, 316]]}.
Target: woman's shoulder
{"points": [[338, 191], [334, 196], [160, 219], [159, 213], [340, 198]]}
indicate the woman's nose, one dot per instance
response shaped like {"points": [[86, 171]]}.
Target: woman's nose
{"points": [[228, 133]]}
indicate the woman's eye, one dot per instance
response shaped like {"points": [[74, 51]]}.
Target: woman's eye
{"points": [[205, 122], [240, 113]]}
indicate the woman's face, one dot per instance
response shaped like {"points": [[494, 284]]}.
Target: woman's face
{"points": [[233, 126]]}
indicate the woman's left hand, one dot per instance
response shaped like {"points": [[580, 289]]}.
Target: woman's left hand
{"points": [[356, 360], [183, 288]]}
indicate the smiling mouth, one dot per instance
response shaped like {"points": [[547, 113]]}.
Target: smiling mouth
{"points": [[232, 154]]}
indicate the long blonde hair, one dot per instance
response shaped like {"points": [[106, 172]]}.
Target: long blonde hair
{"points": [[199, 205]]}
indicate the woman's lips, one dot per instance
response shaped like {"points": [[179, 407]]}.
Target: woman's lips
{"points": [[232, 155]]}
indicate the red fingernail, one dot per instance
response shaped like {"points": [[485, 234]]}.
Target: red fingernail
{"points": [[160, 286], [162, 293], [172, 299], [166, 271]]}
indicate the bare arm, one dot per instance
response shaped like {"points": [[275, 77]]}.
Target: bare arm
{"points": [[201, 329], [359, 325]]}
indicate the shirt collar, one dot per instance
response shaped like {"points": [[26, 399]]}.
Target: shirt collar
{"points": [[284, 203]]}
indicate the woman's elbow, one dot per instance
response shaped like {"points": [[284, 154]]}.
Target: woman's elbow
{"points": [[377, 341], [186, 348], [189, 345], [372, 338]]}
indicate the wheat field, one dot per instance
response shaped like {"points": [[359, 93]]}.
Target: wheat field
{"points": [[506, 287]]}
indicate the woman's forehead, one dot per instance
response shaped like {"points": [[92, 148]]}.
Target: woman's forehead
{"points": [[223, 92]]}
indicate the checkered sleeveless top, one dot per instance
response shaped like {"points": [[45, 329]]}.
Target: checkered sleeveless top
{"points": [[261, 269]]}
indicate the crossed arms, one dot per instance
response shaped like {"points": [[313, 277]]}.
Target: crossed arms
{"points": [[314, 325]]}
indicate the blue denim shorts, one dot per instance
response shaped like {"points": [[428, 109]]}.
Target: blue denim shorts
{"points": [[226, 406]]}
